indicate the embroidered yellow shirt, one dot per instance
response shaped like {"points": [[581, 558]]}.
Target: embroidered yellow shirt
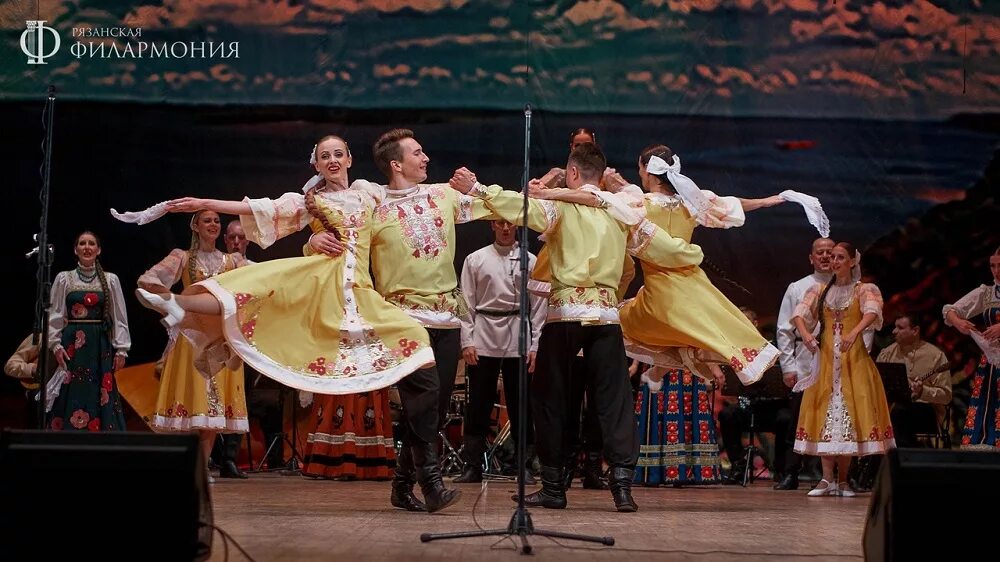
{"points": [[413, 249], [587, 247]]}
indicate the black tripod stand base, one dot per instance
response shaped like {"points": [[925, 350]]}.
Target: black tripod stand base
{"points": [[520, 525]]}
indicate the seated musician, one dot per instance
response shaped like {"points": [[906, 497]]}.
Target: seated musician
{"points": [[927, 369]]}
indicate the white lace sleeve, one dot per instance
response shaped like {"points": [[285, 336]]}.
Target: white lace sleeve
{"points": [[373, 190], [719, 212], [275, 218], [870, 300], [808, 308], [57, 310], [120, 338], [968, 306]]}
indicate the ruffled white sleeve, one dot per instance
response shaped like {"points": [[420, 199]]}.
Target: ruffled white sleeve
{"points": [[57, 310], [120, 338], [273, 219], [370, 189], [970, 305], [714, 211], [870, 299], [807, 309], [164, 275]]}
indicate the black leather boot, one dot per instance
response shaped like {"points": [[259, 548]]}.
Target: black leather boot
{"points": [[472, 474], [402, 483], [436, 496], [552, 495], [572, 461], [230, 449], [593, 472], [790, 481], [621, 489], [472, 455]]}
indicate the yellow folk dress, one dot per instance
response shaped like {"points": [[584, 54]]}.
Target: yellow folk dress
{"points": [[844, 410], [680, 308], [186, 400], [313, 323]]}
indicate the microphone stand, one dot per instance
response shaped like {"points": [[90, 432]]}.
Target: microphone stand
{"points": [[520, 523], [43, 275]]}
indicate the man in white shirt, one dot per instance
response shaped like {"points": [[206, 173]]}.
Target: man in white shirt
{"points": [[796, 360], [491, 284]]}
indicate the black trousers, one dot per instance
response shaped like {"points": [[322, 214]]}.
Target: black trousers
{"points": [[482, 385], [426, 393], [604, 371], [777, 416], [265, 399], [584, 428]]}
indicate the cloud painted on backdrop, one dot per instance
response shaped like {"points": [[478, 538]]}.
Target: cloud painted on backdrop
{"points": [[739, 57]]}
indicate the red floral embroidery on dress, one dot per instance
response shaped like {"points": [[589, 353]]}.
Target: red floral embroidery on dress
{"points": [[749, 354], [105, 397], [180, 411], [229, 412], [673, 376], [90, 299], [673, 472], [242, 298], [638, 404], [966, 440], [889, 433], [687, 377], [736, 364], [708, 472], [107, 382], [79, 419], [78, 310], [94, 425], [247, 328], [56, 424], [801, 434], [873, 434], [318, 366], [970, 417], [659, 402], [977, 386]]}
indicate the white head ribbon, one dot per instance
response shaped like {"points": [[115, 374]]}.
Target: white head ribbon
{"points": [[316, 179], [856, 270], [689, 192]]}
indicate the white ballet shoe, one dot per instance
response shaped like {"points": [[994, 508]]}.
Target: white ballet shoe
{"points": [[172, 312], [844, 490], [829, 490]]}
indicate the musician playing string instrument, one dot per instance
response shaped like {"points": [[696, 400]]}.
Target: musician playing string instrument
{"points": [[927, 369]]}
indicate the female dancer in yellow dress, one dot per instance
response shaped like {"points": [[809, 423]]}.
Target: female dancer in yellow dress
{"points": [[678, 311], [313, 323], [844, 411], [187, 401]]}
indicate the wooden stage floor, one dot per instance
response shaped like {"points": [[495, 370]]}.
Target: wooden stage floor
{"points": [[288, 518]]}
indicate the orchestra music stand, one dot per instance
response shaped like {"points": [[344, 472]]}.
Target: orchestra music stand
{"points": [[895, 382], [771, 386]]}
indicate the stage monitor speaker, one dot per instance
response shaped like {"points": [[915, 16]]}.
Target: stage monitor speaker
{"points": [[104, 495], [923, 497]]}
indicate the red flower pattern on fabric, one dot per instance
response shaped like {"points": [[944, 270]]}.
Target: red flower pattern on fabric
{"points": [[90, 299], [79, 419], [56, 424], [94, 425]]}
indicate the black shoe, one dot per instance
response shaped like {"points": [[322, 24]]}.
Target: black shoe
{"points": [[402, 484], [552, 495], [472, 474], [593, 473], [436, 496], [621, 489], [788, 482], [230, 470]]}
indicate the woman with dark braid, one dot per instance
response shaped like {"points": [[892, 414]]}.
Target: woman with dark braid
{"points": [[88, 334], [186, 400], [312, 323], [844, 411]]}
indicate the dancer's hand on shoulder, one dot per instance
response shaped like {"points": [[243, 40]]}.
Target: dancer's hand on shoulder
{"points": [[614, 181]]}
